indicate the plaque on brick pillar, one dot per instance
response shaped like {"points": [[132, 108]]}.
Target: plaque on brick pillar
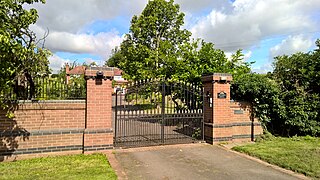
{"points": [[222, 95]]}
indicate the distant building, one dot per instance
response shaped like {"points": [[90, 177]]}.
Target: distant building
{"points": [[77, 71]]}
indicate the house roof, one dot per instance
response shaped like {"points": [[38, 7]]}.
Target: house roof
{"points": [[117, 72], [78, 70]]}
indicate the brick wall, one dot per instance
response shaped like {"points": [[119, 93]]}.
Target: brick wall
{"points": [[226, 120], [60, 127], [42, 127]]}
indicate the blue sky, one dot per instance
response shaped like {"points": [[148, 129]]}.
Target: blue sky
{"points": [[87, 31]]}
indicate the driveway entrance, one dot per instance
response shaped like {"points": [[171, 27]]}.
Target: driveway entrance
{"points": [[194, 162]]}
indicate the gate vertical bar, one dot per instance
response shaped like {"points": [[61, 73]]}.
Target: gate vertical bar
{"points": [[202, 120], [163, 110], [116, 118]]}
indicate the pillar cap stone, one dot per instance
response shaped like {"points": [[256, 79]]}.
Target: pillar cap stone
{"points": [[216, 77], [91, 72]]}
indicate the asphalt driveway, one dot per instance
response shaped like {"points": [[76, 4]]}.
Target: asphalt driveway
{"points": [[195, 161]]}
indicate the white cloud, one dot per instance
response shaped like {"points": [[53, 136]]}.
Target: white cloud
{"points": [[192, 6], [265, 68], [98, 44], [72, 15], [65, 21], [293, 44], [247, 55], [57, 62], [253, 20]]}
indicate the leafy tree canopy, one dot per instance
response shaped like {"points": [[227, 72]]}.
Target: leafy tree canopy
{"points": [[199, 57], [157, 46], [116, 58], [20, 55], [153, 41]]}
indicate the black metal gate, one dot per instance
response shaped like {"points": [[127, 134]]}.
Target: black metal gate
{"points": [[156, 112]]}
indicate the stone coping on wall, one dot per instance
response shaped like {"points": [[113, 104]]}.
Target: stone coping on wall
{"points": [[55, 132], [48, 101], [48, 105]]}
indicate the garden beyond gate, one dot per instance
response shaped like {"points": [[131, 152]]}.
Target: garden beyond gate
{"points": [[156, 112]]}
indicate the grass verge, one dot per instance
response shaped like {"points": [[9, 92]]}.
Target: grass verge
{"points": [[95, 166], [299, 154]]}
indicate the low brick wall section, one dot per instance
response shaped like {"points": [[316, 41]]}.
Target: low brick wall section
{"points": [[240, 125], [47, 127]]}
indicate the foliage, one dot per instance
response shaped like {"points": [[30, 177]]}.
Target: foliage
{"points": [[20, 56], [116, 58], [199, 58], [150, 48], [94, 166], [286, 101], [299, 78], [265, 97], [57, 88], [76, 87], [299, 154]]}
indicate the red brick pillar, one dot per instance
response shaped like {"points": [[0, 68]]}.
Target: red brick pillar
{"points": [[98, 127], [217, 112]]}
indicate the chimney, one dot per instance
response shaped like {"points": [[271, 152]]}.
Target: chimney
{"points": [[67, 68], [67, 73]]}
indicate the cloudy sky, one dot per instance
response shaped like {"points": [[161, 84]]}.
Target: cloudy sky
{"points": [[87, 30]]}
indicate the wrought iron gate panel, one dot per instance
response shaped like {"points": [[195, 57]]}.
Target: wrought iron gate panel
{"points": [[154, 112]]}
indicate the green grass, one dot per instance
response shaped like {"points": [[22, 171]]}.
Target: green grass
{"points": [[299, 154], [75, 167]]}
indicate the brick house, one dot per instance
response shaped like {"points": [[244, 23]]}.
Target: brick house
{"points": [[76, 71]]}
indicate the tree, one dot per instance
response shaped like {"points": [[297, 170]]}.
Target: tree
{"points": [[116, 58], [157, 47], [299, 78], [199, 57], [152, 44], [20, 56]]}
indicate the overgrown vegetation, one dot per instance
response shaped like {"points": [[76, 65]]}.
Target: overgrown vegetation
{"points": [[21, 57], [74, 167], [287, 101], [299, 154]]}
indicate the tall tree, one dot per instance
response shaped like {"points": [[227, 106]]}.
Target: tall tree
{"points": [[152, 44], [20, 55], [156, 46]]}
